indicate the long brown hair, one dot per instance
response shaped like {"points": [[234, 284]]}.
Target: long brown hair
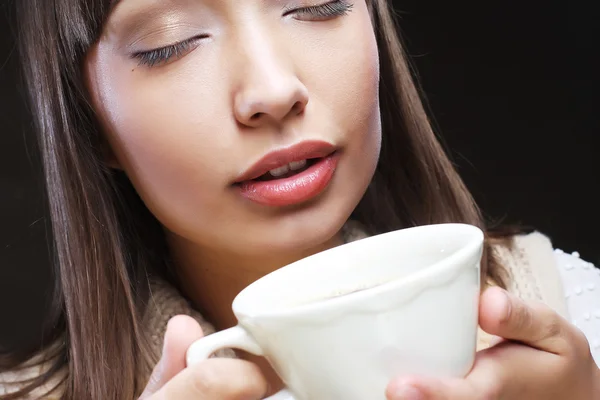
{"points": [[108, 245]]}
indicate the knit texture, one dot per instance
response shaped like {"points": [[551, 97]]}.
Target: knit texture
{"points": [[529, 263], [533, 275]]}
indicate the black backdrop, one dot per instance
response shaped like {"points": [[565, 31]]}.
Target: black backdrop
{"points": [[510, 84]]}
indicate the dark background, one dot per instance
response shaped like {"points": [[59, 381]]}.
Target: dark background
{"points": [[510, 84]]}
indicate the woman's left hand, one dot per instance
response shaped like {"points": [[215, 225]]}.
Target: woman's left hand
{"points": [[540, 356]]}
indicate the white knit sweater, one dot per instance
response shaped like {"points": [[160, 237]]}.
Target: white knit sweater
{"points": [[537, 272]]}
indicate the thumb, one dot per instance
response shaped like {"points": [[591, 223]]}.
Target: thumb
{"points": [[422, 388], [182, 331], [534, 324]]}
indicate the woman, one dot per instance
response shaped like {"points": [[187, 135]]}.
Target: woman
{"points": [[191, 147]]}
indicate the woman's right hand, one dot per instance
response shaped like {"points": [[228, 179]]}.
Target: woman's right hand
{"points": [[213, 379]]}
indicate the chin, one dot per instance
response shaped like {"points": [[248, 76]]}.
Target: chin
{"points": [[307, 236], [313, 226], [305, 229]]}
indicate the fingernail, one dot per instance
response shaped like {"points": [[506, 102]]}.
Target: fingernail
{"points": [[507, 306], [408, 392]]}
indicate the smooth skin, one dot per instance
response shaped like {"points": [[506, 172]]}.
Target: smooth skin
{"points": [[216, 378], [250, 77], [540, 356]]}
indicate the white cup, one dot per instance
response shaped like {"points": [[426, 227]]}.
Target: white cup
{"points": [[415, 312]]}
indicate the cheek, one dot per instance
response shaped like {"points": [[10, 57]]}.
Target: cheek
{"points": [[175, 136], [349, 89], [343, 77], [165, 139], [343, 67]]}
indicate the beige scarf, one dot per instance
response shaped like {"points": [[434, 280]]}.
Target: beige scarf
{"points": [[530, 264]]}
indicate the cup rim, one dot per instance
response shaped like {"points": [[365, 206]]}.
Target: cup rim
{"points": [[471, 245]]}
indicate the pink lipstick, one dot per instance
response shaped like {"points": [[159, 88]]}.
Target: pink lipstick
{"points": [[290, 176]]}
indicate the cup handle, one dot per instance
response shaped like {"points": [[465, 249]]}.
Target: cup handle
{"points": [[236, 338]]}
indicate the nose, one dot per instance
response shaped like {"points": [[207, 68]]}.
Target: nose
{"points": [[270, 92]]}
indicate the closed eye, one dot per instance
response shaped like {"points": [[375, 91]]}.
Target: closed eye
{"points": [[162, 55], [321, 12]]}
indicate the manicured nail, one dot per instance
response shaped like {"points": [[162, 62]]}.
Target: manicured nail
{"points": [[408, 392]]}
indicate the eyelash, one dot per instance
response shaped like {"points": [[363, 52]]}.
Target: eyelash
{"points": [[159, 56], [335, 8], [151, 58]]}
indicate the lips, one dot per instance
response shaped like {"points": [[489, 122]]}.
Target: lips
{"points": [[303, 151], [290, 176]]}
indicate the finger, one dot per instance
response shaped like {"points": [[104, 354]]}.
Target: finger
{"points": [[511, 370], [181, 332], [535, 324], [216, 379], [500, 372], [483, 382], [418, 388]]}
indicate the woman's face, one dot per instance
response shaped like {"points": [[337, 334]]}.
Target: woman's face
{"points": [[194, 94]]}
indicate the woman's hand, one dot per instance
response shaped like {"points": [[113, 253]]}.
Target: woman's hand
{"points": [[213, 379], [541, 356]]}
